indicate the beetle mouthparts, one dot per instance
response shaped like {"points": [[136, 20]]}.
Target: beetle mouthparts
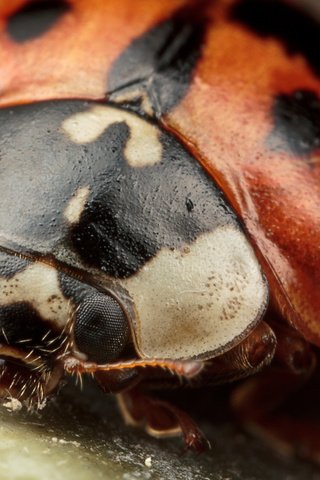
{"points": [[183, 368]]}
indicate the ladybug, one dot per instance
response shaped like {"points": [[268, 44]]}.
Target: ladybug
{"points": [[159, 212]]}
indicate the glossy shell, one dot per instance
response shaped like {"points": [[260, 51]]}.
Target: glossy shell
{"points": [[103, 194], [251, 120]]}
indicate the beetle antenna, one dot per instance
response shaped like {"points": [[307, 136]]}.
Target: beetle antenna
{"points": [[183, 368]]}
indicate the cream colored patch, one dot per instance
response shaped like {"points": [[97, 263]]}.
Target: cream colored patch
{"points": [[38, 285], [129, 95], [143, 146], [196, 302], [76, 205]]}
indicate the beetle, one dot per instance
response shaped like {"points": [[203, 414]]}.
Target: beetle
{"points": [[155, 180]]}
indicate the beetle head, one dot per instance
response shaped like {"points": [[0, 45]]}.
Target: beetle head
{"points": [[47, 315], [135, 251]]}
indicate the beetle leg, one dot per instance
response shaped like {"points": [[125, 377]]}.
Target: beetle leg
{"points": [[157, 417], [258, 400], [248, 357], [160, 418]]}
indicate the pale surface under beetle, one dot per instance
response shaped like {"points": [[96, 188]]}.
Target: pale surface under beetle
{"points": [[79, 435]]}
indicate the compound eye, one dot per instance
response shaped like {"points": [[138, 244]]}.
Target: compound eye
{"points": [[101, 329]]}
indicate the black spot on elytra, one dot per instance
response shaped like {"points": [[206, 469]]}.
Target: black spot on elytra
{"points": [[35, 18], [11, 264], [160, 62], [131, 213], [296, 29], [296, 122]]}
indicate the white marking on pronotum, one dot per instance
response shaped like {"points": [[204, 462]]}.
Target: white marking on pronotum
{"points": [[76, 205], [38, 285], [143, 146], [227, 294]]}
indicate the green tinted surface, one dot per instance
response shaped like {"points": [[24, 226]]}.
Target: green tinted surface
{"points": [[80, 435]]}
